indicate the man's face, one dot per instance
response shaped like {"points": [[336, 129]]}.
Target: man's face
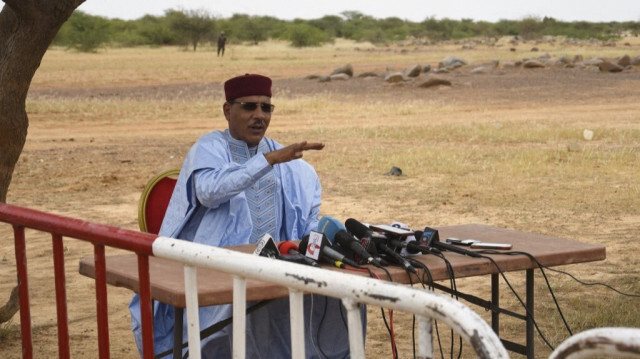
{"points": [[245, 124]]}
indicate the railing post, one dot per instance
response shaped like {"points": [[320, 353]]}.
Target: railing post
{"points": [[425, 337], [146, 312], [239, 317], [101, 301], [23, 283], [296, 318], [356, 339], [193, 320], [61, 296]]}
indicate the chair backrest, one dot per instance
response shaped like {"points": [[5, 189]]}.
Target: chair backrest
{"points": [[154, 200]]}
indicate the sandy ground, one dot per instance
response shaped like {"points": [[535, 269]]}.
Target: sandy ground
{"points": [[96, 171]]}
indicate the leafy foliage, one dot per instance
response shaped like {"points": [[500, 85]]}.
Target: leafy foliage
{"points": [[195, 27]]}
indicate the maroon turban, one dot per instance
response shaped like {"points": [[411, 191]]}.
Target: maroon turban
{"points": [[247, 85]]}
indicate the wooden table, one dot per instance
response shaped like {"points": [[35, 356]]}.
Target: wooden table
{"points": [[167, 277]]}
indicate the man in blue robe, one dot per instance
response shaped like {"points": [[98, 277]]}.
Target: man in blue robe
{"points": [[234, 187]]}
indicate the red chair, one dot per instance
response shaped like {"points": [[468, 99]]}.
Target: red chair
{"points": [[154, 200]]}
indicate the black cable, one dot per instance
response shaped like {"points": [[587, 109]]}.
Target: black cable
{"points": [[593, 283], [544, 275], [535, 324]]}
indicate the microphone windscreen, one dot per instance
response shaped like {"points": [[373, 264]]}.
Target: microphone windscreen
{"points": [[357, 229], [286, 246], [342, 238], [330, 226]]}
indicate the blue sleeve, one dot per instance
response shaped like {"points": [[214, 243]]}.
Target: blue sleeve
{"points": [[216, 185]]}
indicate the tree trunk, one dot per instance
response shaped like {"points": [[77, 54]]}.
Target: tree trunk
{"points": [[27, 28]]}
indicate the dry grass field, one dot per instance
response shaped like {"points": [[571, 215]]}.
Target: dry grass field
{"points": [[503, 148]]}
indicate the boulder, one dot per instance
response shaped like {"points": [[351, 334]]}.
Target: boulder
{"points": [[344, 69], [413, 71], [479, 70], [635, 61], [367, 74], [532, 64], [339, 77], [433, 81], [624, 61], [426, 68], [451, 62], [394, 77], [608, 66]]}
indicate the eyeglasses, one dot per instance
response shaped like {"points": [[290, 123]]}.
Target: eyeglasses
{"points": [[252, 106]]}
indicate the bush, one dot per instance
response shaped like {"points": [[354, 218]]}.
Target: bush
{"points": [[83, 32], [303, 35]]}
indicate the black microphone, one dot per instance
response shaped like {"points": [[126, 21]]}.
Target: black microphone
{"points": [[346, 240], [431, 239], [289, 251], [361, 231], [329, 254], [411, 247]]}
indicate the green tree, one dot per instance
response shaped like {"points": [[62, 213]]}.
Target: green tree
{"points": [[305, 35], [84, 32], [193, 26]]}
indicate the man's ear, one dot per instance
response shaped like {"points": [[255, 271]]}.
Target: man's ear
{"points": [[226, 109]]}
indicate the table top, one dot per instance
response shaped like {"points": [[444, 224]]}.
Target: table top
{"points": [[167, 277]]}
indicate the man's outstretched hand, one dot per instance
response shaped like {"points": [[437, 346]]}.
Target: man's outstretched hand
{"points": [[291, 152]]}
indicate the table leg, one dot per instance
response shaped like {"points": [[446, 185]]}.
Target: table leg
{"points": [[530, 307], [495, 303], [178, 314]]}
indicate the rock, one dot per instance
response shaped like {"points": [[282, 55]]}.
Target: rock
{"points": [[426, 68], [587, 134], [608, 66], [394, 171], [635, 61], [577, 58], [479, 70], [312, 77], [433, 81], [624, 61], [594, 61], [413, 71], [394, 77], [344, 69], [339, 77], [367, 74], [451, 62], [324, 79], [532, 64], [535, 49]]}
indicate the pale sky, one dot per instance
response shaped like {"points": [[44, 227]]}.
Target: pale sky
{"points": [[412, 10]]}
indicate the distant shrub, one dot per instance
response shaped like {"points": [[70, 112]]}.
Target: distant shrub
{"points": [[84, 33], [304, 35]]}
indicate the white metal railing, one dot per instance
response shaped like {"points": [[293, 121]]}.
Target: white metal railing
{"points": [[600, 342], [352, 289]]}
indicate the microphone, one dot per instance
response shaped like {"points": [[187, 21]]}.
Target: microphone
{"points": [[431, 238], [330, 226], [361, 231], [336, 232], [289, 251], [346, 240], [266, 247], [328, 254]]}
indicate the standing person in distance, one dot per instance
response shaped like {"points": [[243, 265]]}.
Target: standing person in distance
{"points": [[236, 185], [222, 41]]}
